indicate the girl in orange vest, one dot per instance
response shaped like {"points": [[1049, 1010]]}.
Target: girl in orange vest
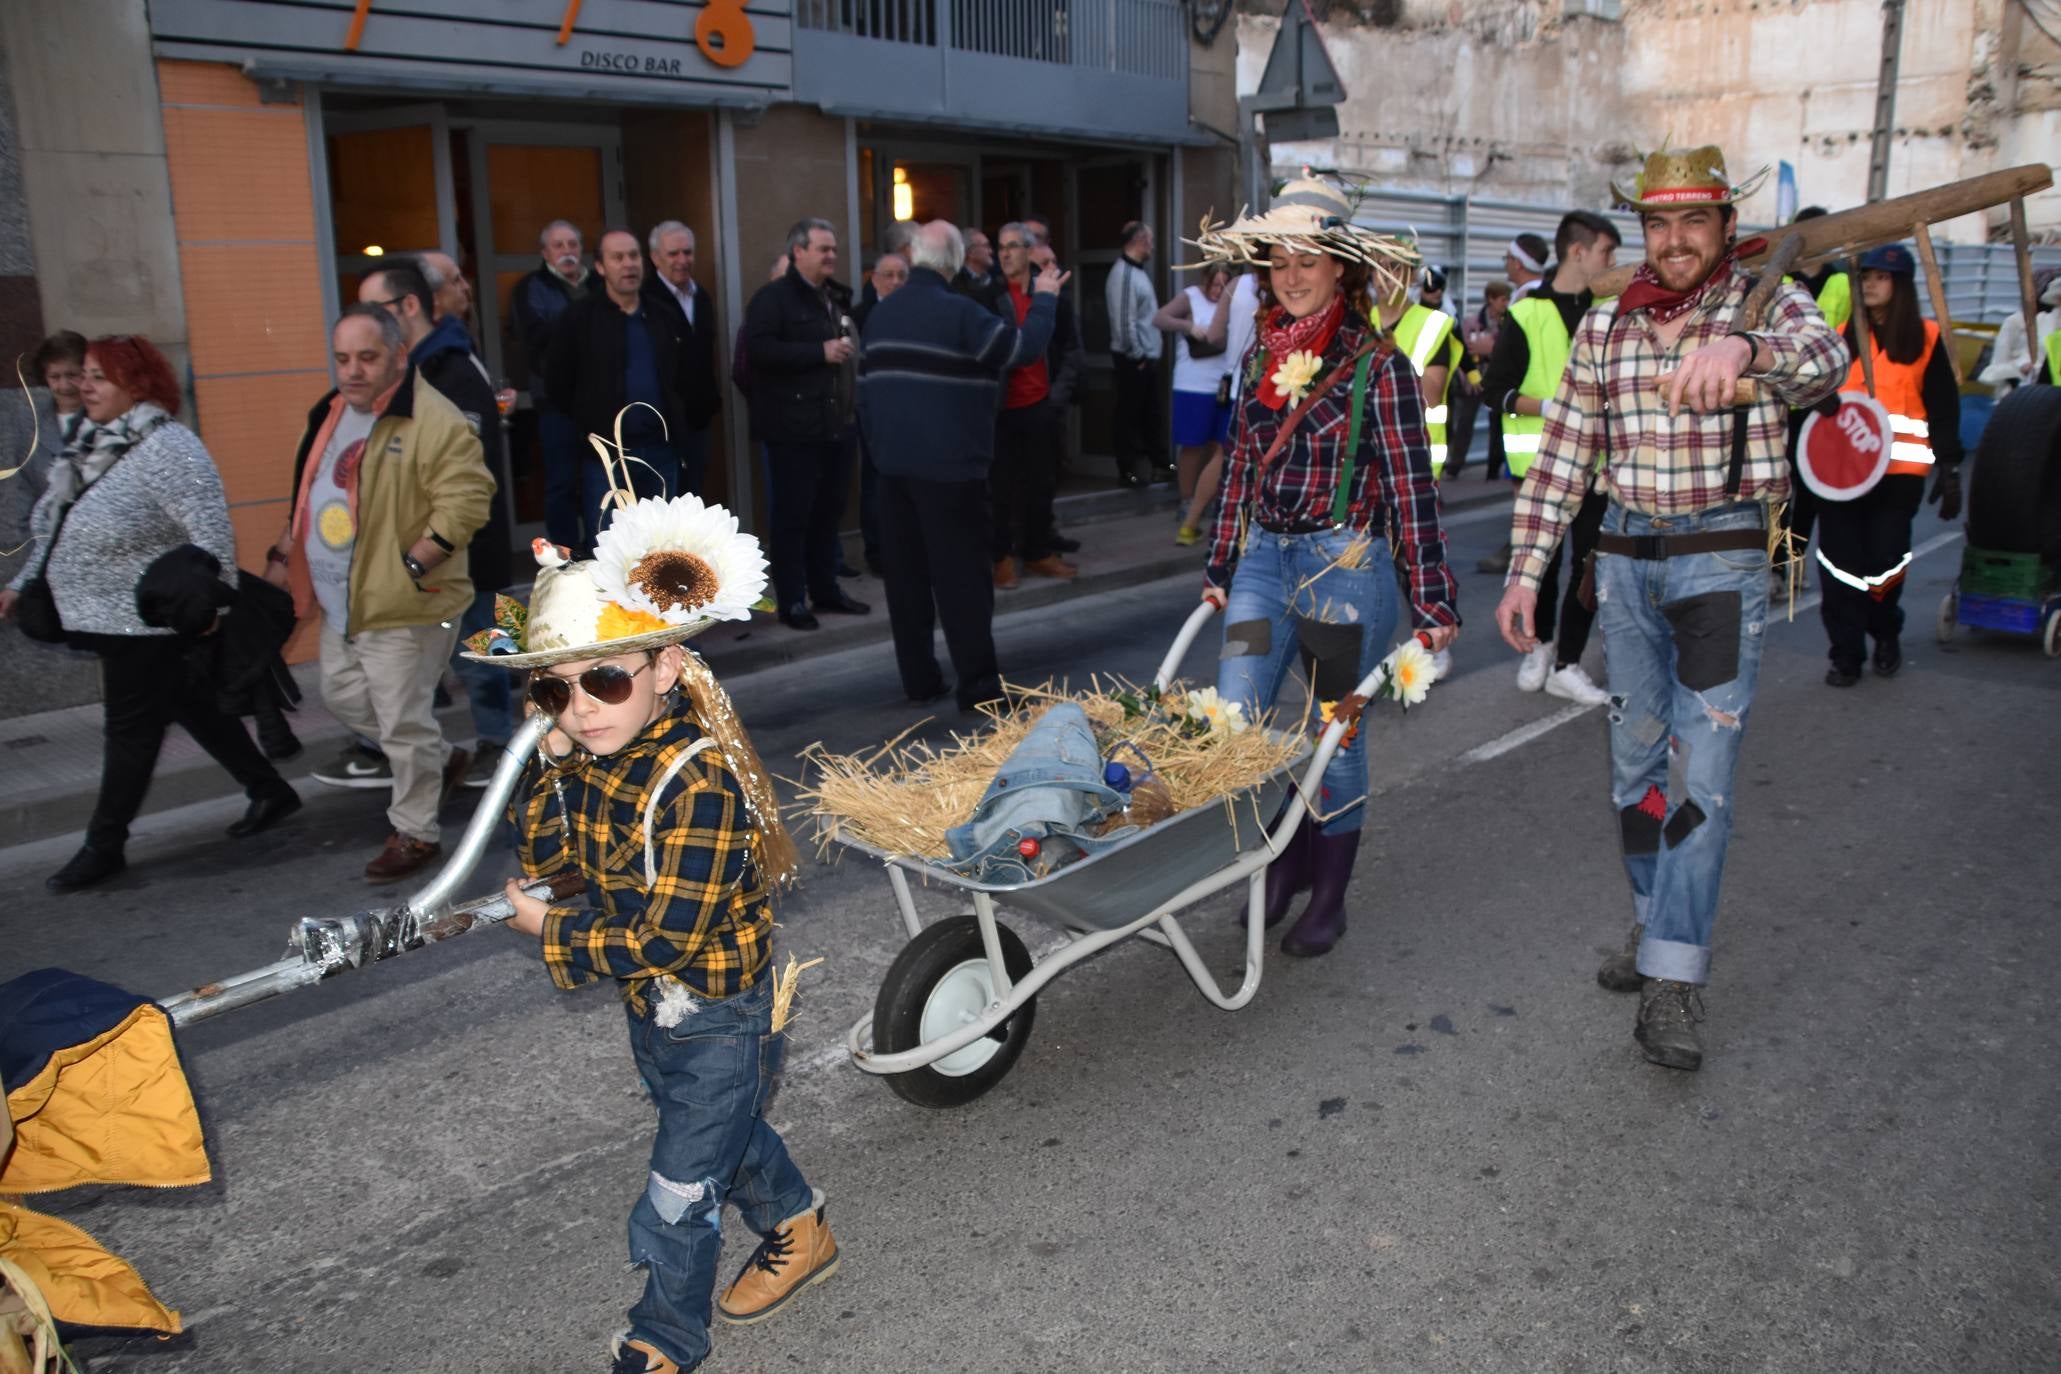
{"points": [[1864, 545]]}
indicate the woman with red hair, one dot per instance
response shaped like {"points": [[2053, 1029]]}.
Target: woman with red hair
{"points": [[133, 485]]}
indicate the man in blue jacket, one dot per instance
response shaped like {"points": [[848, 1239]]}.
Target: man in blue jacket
{"points": [[930, 378]]}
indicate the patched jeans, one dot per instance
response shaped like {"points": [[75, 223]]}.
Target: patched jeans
{"points": [[1684, 638], [709, 1076], [1292, 597]]}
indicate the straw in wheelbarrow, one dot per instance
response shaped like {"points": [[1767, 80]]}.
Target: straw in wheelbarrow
{"points": [[902, 798]]}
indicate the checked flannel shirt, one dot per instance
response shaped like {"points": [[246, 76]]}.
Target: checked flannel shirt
{"points": [[706, 920], [1393, 491], [1651, 463]]}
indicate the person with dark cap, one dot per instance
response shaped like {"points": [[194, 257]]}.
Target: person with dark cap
{"points": [[1864, 545]]}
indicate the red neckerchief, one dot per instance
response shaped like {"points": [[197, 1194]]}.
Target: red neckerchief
{"points": [[1646, 293], [1283, 334]]}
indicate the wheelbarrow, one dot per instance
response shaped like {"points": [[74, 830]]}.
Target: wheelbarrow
{"points": [[955, 1010]]}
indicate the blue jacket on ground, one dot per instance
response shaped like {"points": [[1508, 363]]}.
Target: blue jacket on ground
{"points": [[930, 377]]}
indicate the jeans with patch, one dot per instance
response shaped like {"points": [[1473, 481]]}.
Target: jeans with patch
{"points": [[710, 1077], [1684, 637], [1292, 597]]}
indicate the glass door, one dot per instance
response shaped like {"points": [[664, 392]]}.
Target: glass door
{"points": [[390, 188], [1102, 195]]}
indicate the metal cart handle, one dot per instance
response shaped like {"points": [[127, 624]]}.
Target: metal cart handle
{"points": [[1183, 641]]}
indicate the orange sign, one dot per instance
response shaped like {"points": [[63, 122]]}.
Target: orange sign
{"points": [[722, 30]]}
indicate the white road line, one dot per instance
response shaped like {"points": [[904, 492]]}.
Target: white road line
{"points": [[1522, 735]]}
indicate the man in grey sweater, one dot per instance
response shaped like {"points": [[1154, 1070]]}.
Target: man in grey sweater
{"points": [[1134, 348]]}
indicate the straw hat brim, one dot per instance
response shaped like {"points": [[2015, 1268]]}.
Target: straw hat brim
{"points": [[545, 658], [1631, 202]]}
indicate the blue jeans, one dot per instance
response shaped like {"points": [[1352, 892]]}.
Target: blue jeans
{"points": [[710, 1077], [1291, 599], [488, 690], [1684, 637], [661, 478], [560, 443]]}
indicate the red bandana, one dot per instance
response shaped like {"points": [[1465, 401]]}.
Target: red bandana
{"points": [[1283, 334], [1646, 293]]}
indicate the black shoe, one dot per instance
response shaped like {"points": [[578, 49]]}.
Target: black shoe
{"points": [[265, 812], [1668, 1013], [1889, 656], [1620, 971], [1166, 473], [280, 747], [1127, 478], [797, 617], [87, 867], [1836, 676], [847, 570], [931, 698], [843, 605], [1063, 544]]}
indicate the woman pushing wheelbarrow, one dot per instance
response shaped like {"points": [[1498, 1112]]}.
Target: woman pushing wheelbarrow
{"points": [[1329, 463]]}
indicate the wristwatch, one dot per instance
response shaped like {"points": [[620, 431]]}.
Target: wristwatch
{"points": [[414, 566]]}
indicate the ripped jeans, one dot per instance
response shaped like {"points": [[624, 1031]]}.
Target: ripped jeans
{"points": [[709, 1076], [1291, 599], [1684, 638]]}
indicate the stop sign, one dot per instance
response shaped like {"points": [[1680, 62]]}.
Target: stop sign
{"points": [[1843, 455]]}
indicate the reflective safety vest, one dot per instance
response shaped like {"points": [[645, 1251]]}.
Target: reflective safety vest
{"points": [[1546, 339], [1901, 389], [1423, 333], [1835, 302], [2054, 358]]}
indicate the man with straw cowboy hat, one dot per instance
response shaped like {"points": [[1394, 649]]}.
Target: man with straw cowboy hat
{"points": [[649, 789], [1681, 572]]}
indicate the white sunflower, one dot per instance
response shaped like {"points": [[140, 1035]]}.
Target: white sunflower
{"points": [[679, 560]]}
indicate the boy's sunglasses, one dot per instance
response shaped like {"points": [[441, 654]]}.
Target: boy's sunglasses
{"points": [[606, 683]]}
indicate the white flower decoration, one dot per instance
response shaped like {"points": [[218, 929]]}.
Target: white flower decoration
{"points": [[1296, 373], [1410, 676], [679, 560], [1205, 707]]}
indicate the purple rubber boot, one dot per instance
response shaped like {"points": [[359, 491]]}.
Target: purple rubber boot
{"points": [[1323, 921], [1289, 873]]}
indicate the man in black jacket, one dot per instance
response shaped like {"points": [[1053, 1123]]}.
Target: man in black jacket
{"points": [[798, 335], [618, 348], [534, 308], [672, 285], [440, 350]]}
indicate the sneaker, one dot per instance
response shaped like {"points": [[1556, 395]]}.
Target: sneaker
{"points": [[402, 856], [486, 758], [1531, 674], [1620, 971], [636, 1357], [1187, 537], [356, 767], [1572, 684], [1668, 1013], [1441, 665], [457, 764], [800, 1252]]}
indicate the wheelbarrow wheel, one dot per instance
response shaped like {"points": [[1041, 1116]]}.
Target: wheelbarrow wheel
{"points": [[1949, 614], [939, 982], [2050, 639]]}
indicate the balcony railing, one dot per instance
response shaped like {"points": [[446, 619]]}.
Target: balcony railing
{"points": [[1135, 37]]}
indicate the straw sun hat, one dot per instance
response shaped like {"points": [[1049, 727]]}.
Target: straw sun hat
{"points": [[1308, 215], [1677, 177]]}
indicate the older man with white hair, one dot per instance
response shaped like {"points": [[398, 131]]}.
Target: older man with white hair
{"points": [[930, 378], [671, 286]]}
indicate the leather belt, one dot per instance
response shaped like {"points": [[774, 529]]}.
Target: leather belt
{"points": [[1658, 546], [1292, 526]]}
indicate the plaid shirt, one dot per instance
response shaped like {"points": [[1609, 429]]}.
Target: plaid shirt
{"points": [[1392, 491], [706, 920], [1609, 408]]}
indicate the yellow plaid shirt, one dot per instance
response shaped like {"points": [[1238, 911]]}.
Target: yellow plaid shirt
{"points": [[705, 919]]}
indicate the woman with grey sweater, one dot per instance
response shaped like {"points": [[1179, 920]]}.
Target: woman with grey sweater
{"points": [[133, 485]]}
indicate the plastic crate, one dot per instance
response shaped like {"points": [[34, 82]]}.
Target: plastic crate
{"points": [[2008, 576], [1999, 613]]}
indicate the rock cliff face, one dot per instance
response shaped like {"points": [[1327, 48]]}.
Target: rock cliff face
{"points": [[1538, 101]]}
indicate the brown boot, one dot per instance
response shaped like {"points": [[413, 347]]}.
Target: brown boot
{"points": [[1052, 565], [800, 1252], [640, 1357], [402, 856], [1005, 574], [457, 764]]}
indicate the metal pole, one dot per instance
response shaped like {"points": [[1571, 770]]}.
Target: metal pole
{"points": [[1885, 98]]}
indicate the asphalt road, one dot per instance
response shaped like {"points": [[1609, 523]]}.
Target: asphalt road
{"points": [[1435, 1150]]}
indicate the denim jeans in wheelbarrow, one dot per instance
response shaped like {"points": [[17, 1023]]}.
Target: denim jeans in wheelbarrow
{"points": [[709, 1076], [1684, 637], [1292, 597]]}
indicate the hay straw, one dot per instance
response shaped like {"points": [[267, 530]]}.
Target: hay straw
{"points": [[784, 982], [902, 798]]}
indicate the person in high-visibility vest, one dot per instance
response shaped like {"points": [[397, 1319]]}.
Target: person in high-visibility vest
{"points": [[1531, 354], [1864, 545], [1425, 335], [1829, 288]]}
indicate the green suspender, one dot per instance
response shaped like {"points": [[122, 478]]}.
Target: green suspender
{"points": [[1343, 496]]}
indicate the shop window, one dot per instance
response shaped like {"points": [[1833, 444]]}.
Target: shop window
{"points": [[383, 190]]}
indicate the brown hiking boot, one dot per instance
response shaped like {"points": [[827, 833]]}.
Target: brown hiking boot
{"points": [[800, 1252], [1666, 1030], [402, 856], [1005, 573], [1052, 565], [1620, 971], [457, 764], [639, 1357]]}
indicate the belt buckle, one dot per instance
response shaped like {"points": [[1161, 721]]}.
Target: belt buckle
{"points": [[1650, 547]]}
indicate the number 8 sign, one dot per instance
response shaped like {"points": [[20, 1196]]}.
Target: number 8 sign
{"points": [[1842, 456]]}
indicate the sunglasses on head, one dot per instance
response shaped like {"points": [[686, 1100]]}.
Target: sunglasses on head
{"points": [[605, 683]]}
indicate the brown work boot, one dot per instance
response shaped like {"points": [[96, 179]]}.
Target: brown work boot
{"points": [[457, 764], [639, 1357], [1005, 574], [801, 1251], [402, 856], [1052, 565], [1619, 972]]}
